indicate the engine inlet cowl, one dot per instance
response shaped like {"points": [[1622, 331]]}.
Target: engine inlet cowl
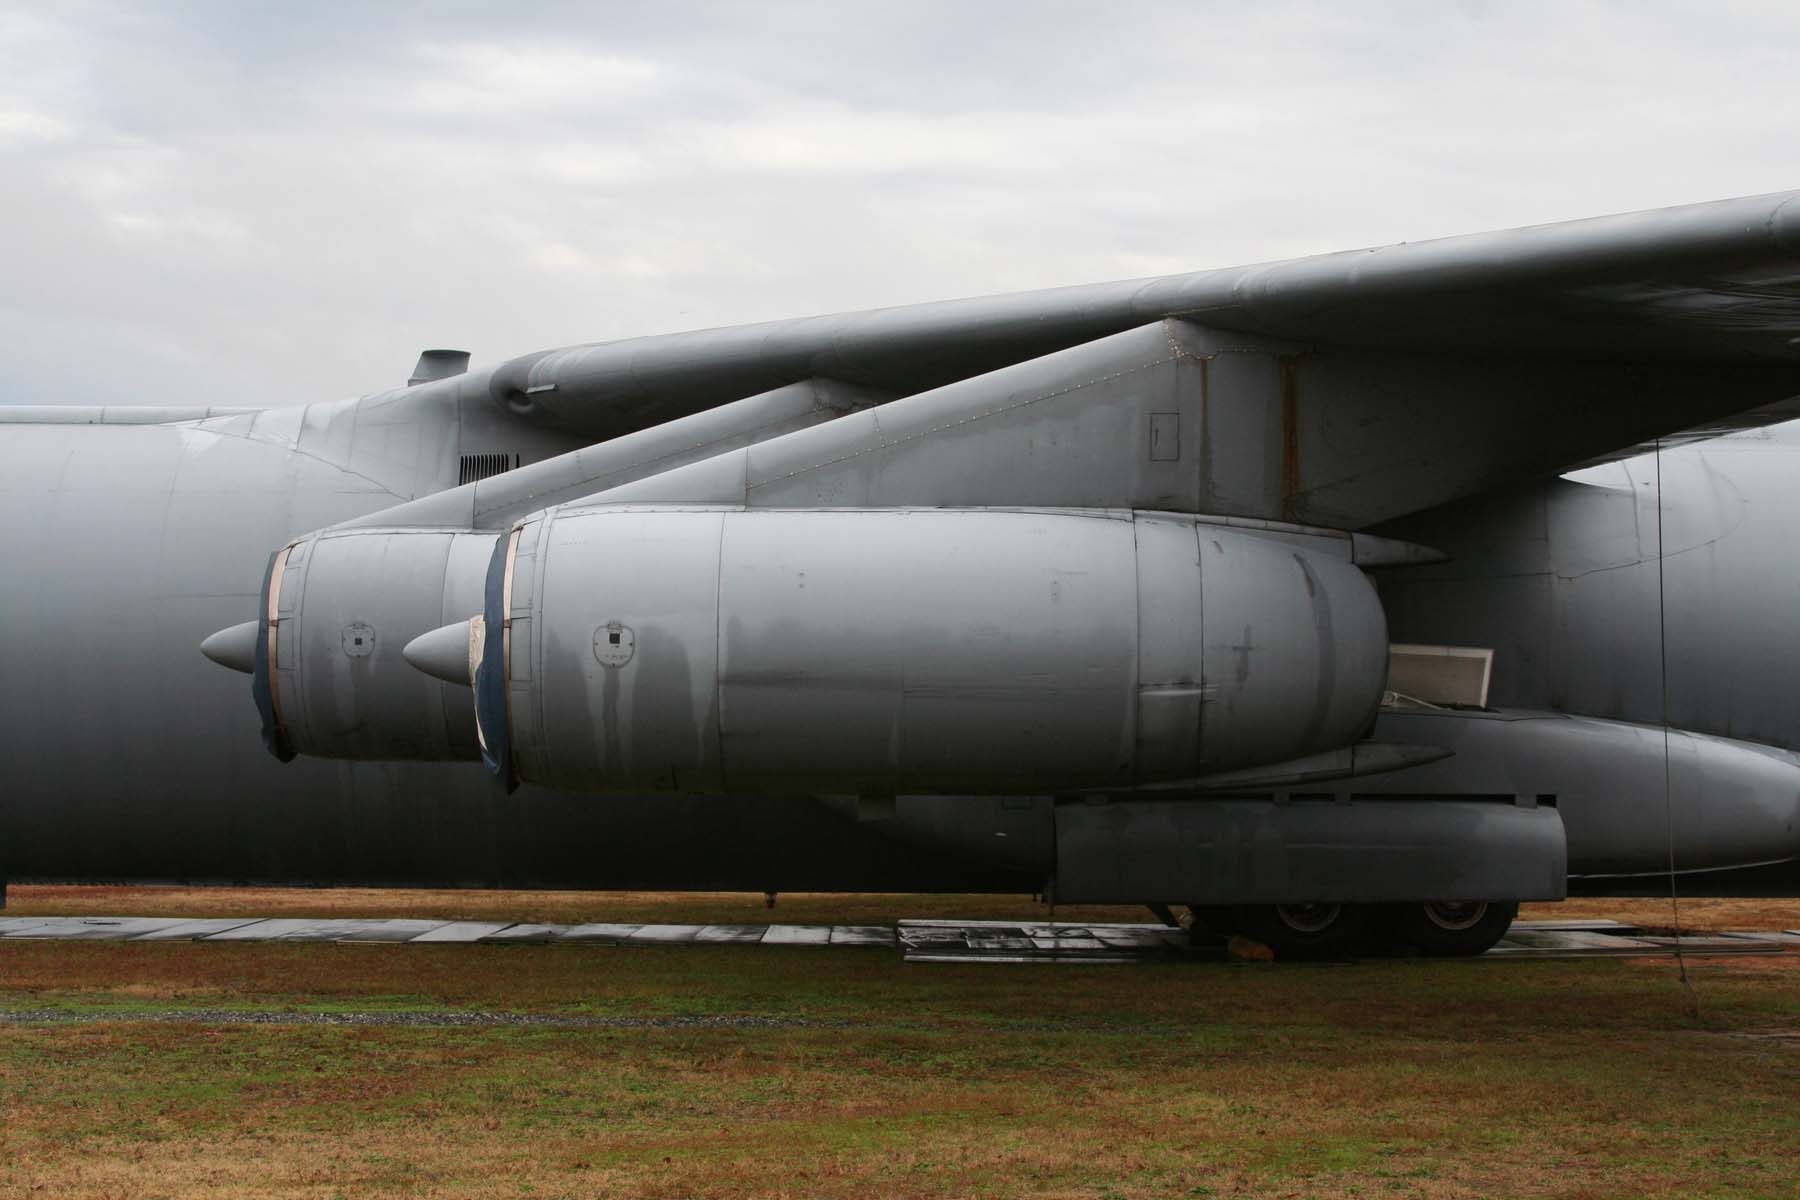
{"points": [[333, 676]]}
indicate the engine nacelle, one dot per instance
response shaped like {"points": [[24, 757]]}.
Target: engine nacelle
{"points": [[882, 652], [338, 608]]}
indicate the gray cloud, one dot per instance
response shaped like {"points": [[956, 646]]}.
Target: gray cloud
{"points": [[231, 203]]}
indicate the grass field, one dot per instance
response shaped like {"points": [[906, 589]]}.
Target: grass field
{"points": [[744, 908], [196, 1070]]}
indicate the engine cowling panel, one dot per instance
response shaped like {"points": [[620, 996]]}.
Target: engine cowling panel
{"points": [[339, 608], [881, 652]]}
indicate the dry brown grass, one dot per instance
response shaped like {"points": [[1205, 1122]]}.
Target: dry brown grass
{"points": [[729, 908], [739, 908], [1697, 915], [1572, 1080], [1405, 1080]]}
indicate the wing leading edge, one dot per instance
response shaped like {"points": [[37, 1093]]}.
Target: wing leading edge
{"points": [[1716, 282]]}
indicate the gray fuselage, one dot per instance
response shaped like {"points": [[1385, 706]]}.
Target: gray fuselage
{"points": [[126, 756]]}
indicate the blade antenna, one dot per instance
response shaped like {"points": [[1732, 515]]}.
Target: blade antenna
{"points": [[1662, 658]]}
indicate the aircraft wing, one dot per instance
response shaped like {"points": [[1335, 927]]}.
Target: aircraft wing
{"points": [[1339, 390], [1717, 282]]}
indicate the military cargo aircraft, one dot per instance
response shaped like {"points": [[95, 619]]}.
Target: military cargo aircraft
{"points": [[1362, 595]]}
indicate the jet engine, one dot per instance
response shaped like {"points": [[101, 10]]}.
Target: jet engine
{"points": [[890, 651], [339, 608]]}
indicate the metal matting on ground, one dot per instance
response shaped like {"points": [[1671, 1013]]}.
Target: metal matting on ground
{"points": [[929, 941], [1049, 942], [419, 931]]}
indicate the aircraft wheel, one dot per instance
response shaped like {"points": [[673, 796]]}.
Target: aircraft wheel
{"points": [[1301, 930], [1451, 928]]}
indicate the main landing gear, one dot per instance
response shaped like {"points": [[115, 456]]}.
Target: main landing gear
{"points": [[1439, 928], [1303, 930], [1449, 928]]}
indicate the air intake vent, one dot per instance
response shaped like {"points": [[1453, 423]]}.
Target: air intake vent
{"points": [[483, 466]]}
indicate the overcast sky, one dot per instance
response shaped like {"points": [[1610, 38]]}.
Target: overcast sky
{"points": [[243, 203]]}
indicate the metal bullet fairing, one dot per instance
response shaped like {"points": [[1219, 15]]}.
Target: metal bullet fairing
{"points": [[446, 653], [878, 652], [234, 647]]}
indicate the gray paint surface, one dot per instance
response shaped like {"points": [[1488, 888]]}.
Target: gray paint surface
{"points": [[1692, 281], [1563, 578], [945, 650], [1337, 391]]}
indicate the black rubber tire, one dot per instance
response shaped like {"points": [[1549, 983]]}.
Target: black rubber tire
{"points": [[1303, 931], [1432, 930]]}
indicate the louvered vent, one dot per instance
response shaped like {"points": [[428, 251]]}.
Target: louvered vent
{"points": [[482, 466]]}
